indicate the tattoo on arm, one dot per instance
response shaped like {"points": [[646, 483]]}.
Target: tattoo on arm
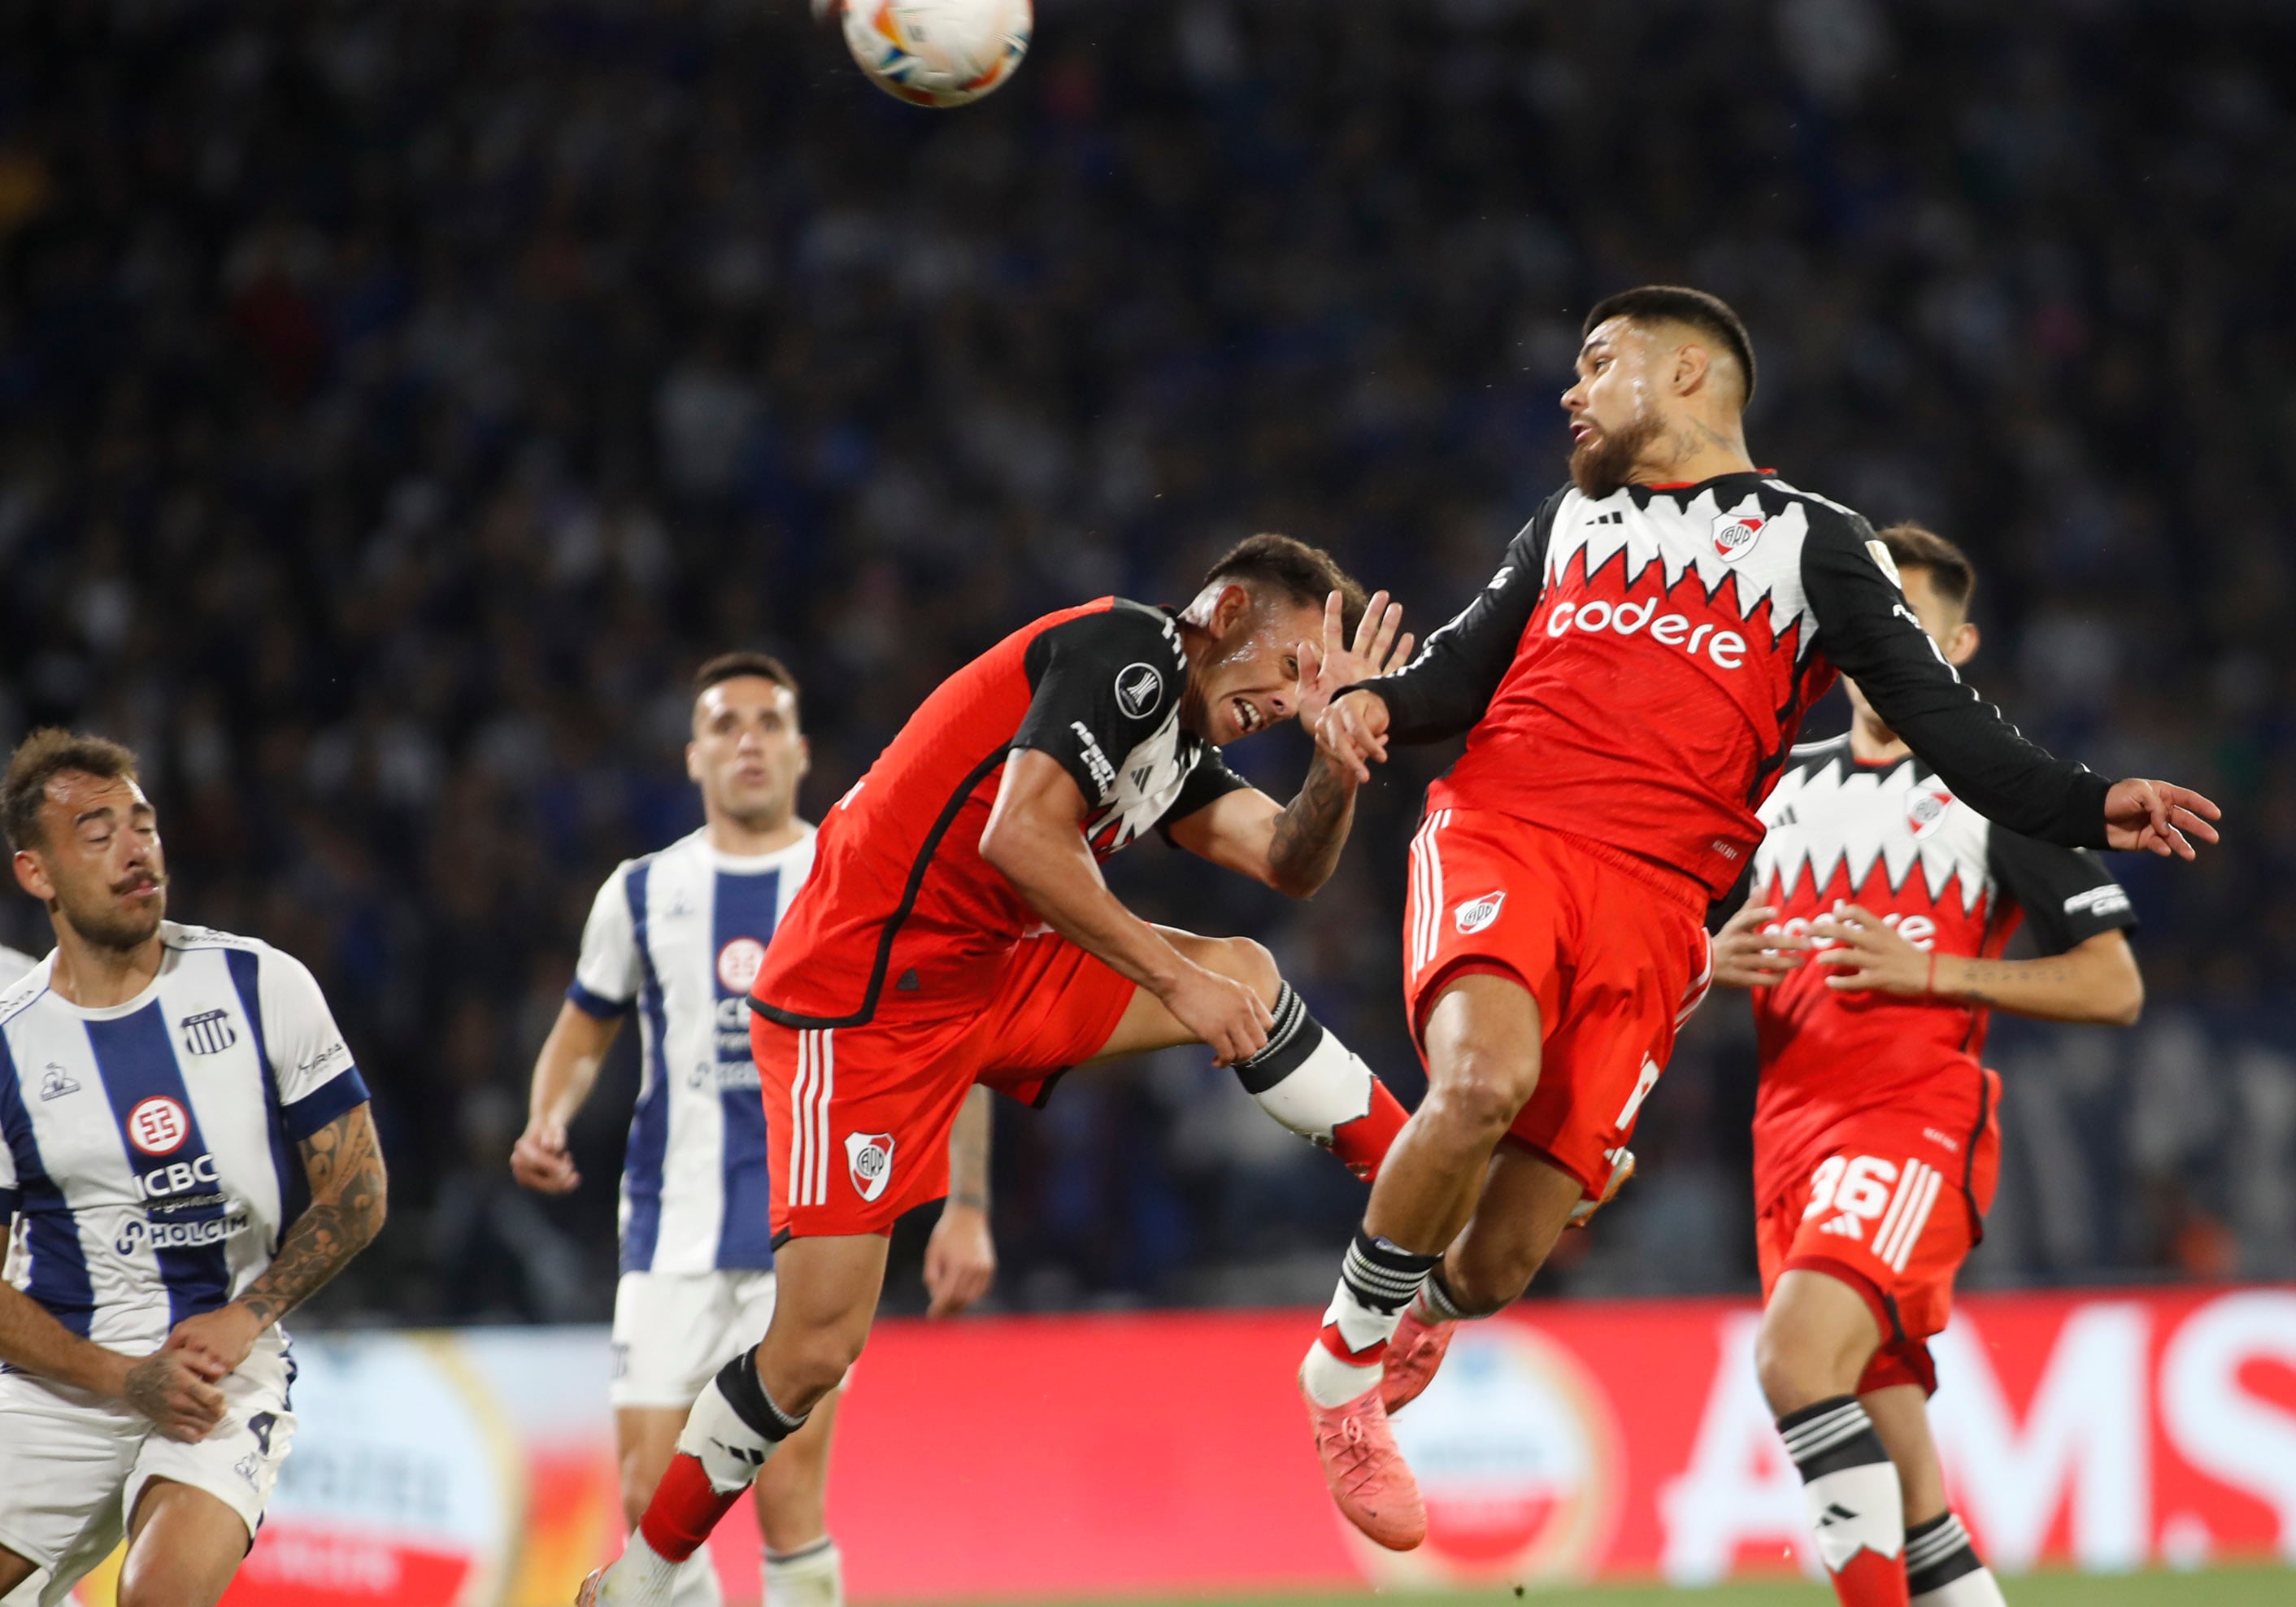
{"points": [[968, 1152], [1305, 847], [344, 1162]]}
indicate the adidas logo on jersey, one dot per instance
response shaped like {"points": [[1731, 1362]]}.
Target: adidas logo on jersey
{"points": [[1847, 1224]]}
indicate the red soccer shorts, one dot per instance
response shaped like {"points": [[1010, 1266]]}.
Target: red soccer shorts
{"points": [[860, 1116], [1614, 951], [1892, 1209]]}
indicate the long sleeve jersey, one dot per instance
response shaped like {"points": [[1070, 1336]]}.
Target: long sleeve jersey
{"points": [[1637, 671]]}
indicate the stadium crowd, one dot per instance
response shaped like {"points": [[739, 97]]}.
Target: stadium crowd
{"points": [[398, 400]]}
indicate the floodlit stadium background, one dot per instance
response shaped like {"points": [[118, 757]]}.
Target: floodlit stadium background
{"points": [[396, 401]]}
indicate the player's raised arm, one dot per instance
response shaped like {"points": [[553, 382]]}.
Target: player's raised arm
{"points": [[1450, 685], [1295, 847], [1868, 632]]}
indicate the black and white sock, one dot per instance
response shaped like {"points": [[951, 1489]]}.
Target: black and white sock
{"points": [[1312, 1083], [1943, 1570], [1848, 1482], [1435, 1304], [1376, 1281], [734, 1427]]}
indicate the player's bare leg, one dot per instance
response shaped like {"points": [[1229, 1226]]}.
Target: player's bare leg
{"points": [[790, 1496], [1818, 1333], [1527, 1201], [825, 1300], [13, 1570], [803, 1567], [183, 1545], [1305, 1077], [1483, 1038], [1942, 1567]]}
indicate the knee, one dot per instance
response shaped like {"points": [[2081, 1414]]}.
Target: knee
{"points": [[813, 1363], [1483, 1090], [1793, 1372], [1243, 960]]}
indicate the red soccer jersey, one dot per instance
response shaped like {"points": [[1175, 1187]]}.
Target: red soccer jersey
{"points": [[1893, 837], [901, 914], [1638, 669]]}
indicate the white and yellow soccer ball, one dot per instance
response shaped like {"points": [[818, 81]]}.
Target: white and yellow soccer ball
{"points": [[937, 53]]}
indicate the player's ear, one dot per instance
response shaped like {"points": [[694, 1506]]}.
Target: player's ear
{"points": [[804, 756], [32, 876], [694, 762], [1691, 368], [1962, 645], [1233, 612]]}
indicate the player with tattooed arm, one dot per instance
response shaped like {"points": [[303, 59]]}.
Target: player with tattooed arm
{"points": [[156, 1084], [957, 930]]}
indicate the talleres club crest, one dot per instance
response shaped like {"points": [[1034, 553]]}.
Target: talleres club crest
{"points": [[1734, 535]]}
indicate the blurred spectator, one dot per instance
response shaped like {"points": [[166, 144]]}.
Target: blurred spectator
{"points": [[395, 401]]}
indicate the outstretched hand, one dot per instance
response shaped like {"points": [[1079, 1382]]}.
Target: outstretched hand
{"points": [[1749, 952], [2158, 816], [1327, 666]]}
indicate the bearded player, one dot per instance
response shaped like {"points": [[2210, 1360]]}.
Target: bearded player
{"points": [[676, 937], [1629, 682], [157, 1084], [957, 929], [1879, 907]]}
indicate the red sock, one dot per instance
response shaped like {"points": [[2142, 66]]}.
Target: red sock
{"points": [[1364, 1143], [1870, 1580], [683, 1510]]}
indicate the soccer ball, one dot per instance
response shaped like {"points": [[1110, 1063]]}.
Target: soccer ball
{"points": [[937, 53]]}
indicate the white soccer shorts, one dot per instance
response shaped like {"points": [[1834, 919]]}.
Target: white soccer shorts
{"points": [[72, 1466], [672, 1331]]}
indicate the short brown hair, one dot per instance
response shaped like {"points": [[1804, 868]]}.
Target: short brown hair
{"points": [[39, 759], [1708, 314], [733, 666], [1300, 573], [1917, 547]]}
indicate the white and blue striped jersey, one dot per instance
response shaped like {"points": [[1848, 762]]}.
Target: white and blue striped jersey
{"points": [[678, 936], [148, 1151], [13, 963]]}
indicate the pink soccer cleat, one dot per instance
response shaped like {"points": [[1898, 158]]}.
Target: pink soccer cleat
{"points": [[1413, 1355], [1622, 1168], [1365, 1473]]}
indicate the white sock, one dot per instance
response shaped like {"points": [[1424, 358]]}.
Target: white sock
{"points": [[641, 1576], [1304, 1076], [729, 1450], [1848, 1483], [1942, 1567], [811, 1576], [1376, 1281], [697, 1583]]}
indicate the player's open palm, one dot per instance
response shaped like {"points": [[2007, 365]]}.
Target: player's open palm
{"points": [[176, 1390], [1334, 663], [1221, 1012], [2158, 816], [1748, 952]]}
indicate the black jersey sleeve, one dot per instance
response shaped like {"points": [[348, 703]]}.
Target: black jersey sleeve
{"points": [[1208, 782], [1102, 684], [2067, 894], [1867, 631], [1449, 685]]}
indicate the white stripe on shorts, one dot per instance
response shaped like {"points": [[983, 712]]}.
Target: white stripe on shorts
{"points": [[1907, 1215]]}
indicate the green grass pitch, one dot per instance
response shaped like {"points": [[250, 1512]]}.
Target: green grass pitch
{"points": [[2215, 1587]]}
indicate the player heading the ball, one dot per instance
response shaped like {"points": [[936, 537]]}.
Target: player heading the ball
{"points": [[1630, 684]]}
